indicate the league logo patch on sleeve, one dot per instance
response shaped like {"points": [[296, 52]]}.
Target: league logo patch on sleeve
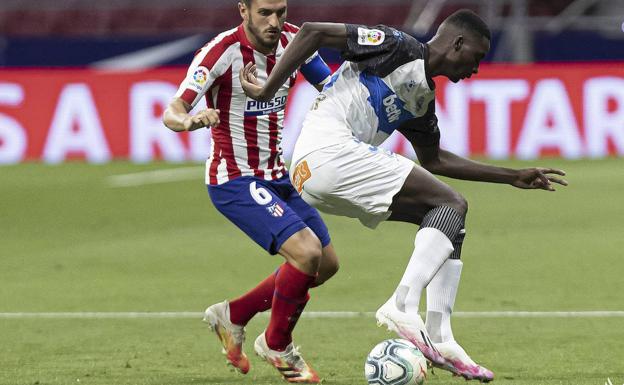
{"points": [[370, 36], [200, 77]]}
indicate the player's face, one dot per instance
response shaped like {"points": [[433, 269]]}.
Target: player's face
{"points": [[466, 55], [264, 20]]}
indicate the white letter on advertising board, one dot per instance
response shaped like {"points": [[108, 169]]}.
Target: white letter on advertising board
{"points": [[549, 123], [453, 122], [147, 129], [497, 96], [13, 138], [600, 123], [76, 127]]}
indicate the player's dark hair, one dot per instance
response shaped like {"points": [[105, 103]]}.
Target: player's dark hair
{"points": [[467, 19], [246, 2]]}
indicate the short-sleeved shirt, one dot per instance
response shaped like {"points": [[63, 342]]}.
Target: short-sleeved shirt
{"points": [[247, 142], [383, 85]]}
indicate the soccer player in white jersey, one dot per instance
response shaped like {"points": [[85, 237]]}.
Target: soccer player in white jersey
{"points": [[384, 85], [248, 183]]}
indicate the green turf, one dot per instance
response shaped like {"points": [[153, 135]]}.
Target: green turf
{"points": [[71, 243]]}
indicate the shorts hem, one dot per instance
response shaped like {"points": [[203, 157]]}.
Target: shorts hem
{"points": [[372, 221], [284, 235]]}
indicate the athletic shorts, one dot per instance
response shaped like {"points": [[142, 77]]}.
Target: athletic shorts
{"points": [[351, 179], [269, 212]]}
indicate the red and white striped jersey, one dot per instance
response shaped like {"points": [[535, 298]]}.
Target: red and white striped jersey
{"points": [[247, 142]]}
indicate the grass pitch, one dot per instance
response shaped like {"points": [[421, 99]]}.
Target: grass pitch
{"points": [[72, 243]]}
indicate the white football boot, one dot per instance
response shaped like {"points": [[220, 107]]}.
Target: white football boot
{"points": [[412, 328], [231, 336], [289, 363], [461, 364]]}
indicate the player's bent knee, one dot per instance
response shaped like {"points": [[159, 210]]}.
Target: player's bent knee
{"points": [[458, 203], [311, 257], [462, 204], [303, 249], [309, 251], [326, 271], [335, 267]]}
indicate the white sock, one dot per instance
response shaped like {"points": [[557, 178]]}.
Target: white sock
{"points": [[441, 294], [431, 249]]}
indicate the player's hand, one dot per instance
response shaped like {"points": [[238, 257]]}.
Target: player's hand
{"points": [[204, 118], [249, 82], [539, 178]]}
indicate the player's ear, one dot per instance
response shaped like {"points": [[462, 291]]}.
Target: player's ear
{"points": [[458, 42], [242, 9]]}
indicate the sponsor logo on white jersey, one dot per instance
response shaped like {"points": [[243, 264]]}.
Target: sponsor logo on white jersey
{"points": [[256, 108], [370, 36], [393, 113]]}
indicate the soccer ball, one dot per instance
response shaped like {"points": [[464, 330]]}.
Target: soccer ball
{"points": [[395, 362]]}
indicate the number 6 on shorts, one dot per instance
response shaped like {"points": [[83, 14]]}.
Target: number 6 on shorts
{"points": [[260, 194]]}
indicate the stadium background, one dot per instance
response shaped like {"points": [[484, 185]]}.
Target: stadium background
{"points": [[105, 267]]}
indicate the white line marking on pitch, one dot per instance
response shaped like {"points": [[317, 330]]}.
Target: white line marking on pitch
{"points": [[317, 314], [156, 176]]}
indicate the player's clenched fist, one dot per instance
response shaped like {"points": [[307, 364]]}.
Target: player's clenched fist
{"points": [[204, 118]]}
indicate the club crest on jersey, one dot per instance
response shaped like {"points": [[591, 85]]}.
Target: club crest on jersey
{"points": [[370, 36], [275, 210], [257, 108]]}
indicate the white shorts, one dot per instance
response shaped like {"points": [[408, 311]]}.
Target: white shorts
{"points": [[352, 179]]}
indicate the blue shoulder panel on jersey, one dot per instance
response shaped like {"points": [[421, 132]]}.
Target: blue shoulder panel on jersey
{"points": [[387, 105], [315, 71]]}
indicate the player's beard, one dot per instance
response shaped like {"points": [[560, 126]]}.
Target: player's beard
{"points": [[265, 42]]}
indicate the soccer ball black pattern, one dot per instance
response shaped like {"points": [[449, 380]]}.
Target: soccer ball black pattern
{"points": [[395, 362]]}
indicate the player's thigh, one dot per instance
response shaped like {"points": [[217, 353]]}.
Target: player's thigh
{"points": [[328, 265], [421, 192], [310, 217], [253, 206]]}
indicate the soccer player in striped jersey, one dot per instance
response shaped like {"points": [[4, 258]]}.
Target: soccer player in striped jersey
{"points": [[248, 182], [384, 85]]}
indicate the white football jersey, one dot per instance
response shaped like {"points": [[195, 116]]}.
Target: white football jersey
{"points": [[382, 86]]}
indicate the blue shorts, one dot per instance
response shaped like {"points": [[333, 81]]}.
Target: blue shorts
{"points": [[269, 212]]}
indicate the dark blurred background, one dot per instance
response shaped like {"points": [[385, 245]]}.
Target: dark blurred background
{"points": [[152, 33]]}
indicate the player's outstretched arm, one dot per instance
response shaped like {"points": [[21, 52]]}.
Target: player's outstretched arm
{"points": [[308, 40], [445, 163], [177, 118]]}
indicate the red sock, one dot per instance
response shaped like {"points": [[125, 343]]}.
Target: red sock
{"points": [[289, 299], [257, 300]]}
